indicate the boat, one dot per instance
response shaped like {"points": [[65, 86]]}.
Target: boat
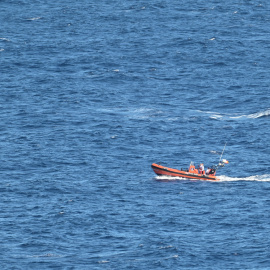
{"points": [[190, 173]]}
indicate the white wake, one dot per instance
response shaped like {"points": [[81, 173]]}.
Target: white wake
{"points": [[216, 115], [258, 178], [223, 178]]}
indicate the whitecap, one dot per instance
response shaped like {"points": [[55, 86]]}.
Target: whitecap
{"points": [[104, 261], [44, 255], [216, 116], [166, 247], [4, 39], [215, 152], [173, 119], [33, 19]]}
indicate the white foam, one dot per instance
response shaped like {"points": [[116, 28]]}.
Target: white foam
{"points": [[168, 178], [216, 115], [258, 178], [215, 152], [223, 178], [165, 178], [34, 19], [253, 115], [4, 39], [259, 114]]}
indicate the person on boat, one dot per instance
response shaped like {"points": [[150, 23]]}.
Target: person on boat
{"points": [[192, 168], [201, 169], [212, 171]]}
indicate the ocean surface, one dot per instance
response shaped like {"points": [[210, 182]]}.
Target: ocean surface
{"points": [[92, 93]]}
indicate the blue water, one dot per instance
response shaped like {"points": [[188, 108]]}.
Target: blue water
{"points": [[93, 93]]}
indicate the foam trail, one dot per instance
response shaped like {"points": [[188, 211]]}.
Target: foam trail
{"points": [[253, 115], [259, 114], [258, 178], [216, 115]]}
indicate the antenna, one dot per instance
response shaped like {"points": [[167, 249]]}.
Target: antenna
{"points": [[222, 152]]}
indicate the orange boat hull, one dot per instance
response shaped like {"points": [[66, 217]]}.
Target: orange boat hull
{"points": [[161, 170]]}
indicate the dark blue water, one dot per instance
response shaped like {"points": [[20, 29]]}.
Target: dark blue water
{"points": [[92, 93]]}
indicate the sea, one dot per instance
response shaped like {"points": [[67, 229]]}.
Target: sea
{"points": [[93, 92]]}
